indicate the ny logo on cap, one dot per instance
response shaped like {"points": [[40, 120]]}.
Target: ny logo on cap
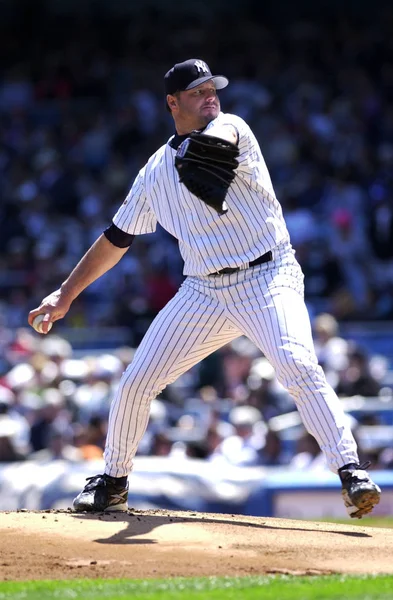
{"points": [[201, 66]]}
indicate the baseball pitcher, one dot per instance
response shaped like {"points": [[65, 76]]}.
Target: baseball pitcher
{"points": [[210, 188]]}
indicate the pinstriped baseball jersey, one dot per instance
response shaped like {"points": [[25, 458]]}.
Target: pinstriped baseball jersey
{"points": [[208, 242], [264, 302]]}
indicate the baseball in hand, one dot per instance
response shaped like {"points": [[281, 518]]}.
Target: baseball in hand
{"points": [[37, 323]]}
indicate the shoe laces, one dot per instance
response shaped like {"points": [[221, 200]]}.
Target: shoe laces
{"points": [[95, 481], [349, 473], [102, 480]]}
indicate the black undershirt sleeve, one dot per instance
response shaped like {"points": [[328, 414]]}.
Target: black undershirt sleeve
{"points": [[117, 237]]}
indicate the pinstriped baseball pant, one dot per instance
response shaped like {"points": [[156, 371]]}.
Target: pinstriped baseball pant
{"points": [[265, 303]]}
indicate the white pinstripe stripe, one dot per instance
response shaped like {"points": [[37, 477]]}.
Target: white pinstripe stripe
{"points": [[159, 360], [280, 327], [116, 438], [264, 303], [274, 328], [115, 428], [141, 375], [271, 312], [307, 359]]}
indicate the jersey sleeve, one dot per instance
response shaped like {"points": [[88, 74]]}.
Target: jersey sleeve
{"points": [[135, 215], [252, 167]]}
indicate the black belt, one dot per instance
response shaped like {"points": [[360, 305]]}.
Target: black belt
{"points": [[258, 261]]}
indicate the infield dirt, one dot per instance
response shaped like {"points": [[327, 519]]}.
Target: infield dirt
{"points": [[156, 544]]}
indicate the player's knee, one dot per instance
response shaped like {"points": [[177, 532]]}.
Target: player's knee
{"points": [[307, 376], [142, 383]]}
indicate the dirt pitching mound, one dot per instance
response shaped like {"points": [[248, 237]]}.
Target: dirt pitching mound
{"points": [[141, 544]]}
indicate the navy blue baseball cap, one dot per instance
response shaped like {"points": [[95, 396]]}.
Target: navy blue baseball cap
{"points": [[190, 73]]}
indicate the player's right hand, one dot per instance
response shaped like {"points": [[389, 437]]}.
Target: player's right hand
{"points": [[53, 307]]}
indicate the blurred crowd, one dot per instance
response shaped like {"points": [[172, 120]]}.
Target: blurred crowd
{"points": [[80, 114], [227, 409]]}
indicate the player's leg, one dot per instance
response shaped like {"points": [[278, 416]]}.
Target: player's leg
{"points": [[189, 328], [274, 316]]}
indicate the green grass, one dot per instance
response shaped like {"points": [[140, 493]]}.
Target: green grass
{"points": [[210, 588], [366, 522]]}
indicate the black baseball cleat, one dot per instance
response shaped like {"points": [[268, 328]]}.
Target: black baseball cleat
{"points": [[102, 493], [360, 493]]}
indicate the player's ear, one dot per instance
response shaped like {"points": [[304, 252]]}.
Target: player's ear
{"points": [[171, 101]]}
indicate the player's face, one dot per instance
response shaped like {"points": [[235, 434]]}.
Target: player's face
{"points": [[195, 108]]}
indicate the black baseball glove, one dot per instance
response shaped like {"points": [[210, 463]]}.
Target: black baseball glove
{"points": [[206, 165]]}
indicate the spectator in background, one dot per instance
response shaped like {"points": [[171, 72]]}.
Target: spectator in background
{"points": [[51, 415], [265, 392], [273, 453], [330, 348], [90, 440], [242, 448], [380, 231], [161, 445], [307, 455], [237, 359], [385, 459], [355, 378], [14, 429], [59, 446], [324, 277], [9, 451], [348, 244], [215, 435]]}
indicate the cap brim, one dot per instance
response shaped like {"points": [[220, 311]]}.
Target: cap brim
{"points": [[219, 81]]}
